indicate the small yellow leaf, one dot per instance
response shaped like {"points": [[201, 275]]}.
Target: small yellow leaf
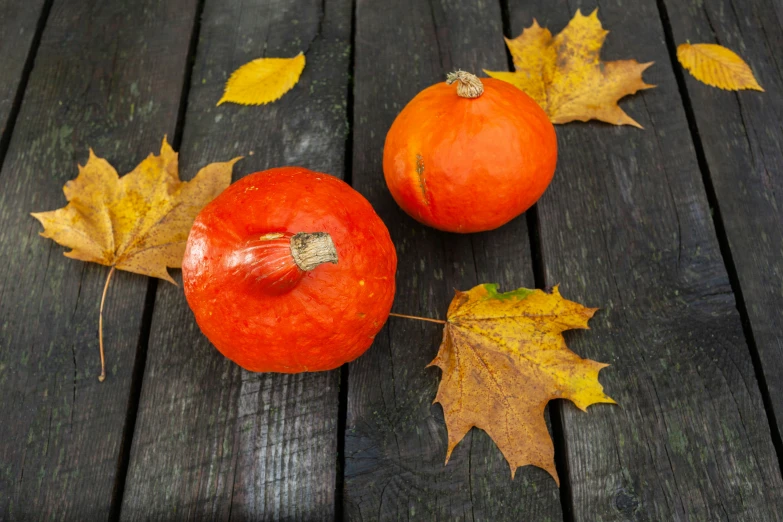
{"points": [[565, 75], [263, 80], [717, 66], [503, 359]]}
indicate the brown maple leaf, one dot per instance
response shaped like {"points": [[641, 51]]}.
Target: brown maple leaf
{"points": [[503, 359], [566, 76], [139, 222]]}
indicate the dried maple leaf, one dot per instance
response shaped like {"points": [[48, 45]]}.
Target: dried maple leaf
{"points": [[263, 80], [503, 359], [566, 76], [139, 222], [717, 66]]}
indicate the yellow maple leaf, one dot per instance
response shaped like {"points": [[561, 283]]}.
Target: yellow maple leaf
{"points": [[717, 66], [565, 75], [503, 359], [138, 222], [263, 80]]}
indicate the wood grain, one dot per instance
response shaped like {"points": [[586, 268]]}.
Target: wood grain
{"points": [[742, 139], [108, 75], [395, 438], [212, 441], [626, 226], [18, 27]]}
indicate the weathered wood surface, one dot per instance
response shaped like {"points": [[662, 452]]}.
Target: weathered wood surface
{"points": [[742, 137], [626, 226], [108, 75], [395, 444], [19, 25], [212, 441]]}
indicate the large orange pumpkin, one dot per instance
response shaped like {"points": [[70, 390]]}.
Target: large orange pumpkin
{"points": [[469, 157], [289, 271]]}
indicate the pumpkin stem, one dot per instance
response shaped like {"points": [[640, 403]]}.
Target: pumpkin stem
{"points": [[311, 250], [275, 263], [468, 85]]}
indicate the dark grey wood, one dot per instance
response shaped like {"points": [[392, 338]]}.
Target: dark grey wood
{"points": [[212, 441], [626, 226], [18, 26], [395, 438], [742, 137], [108, 75]]}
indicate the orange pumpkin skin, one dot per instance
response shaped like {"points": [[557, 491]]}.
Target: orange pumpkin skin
{"points": [[256, 305], [469, 164]]}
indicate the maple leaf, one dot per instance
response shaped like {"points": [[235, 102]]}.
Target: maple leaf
{"points": [[717, 66], [139, 222], [263, 80], [503, 359], [566, 76]]}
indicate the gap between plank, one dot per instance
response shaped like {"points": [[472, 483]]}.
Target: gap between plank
{"points": [[5, 138], [720, 231], [556, 407], [140, 362], [342, 416], [348, 159], [132, 409], [539, 279], [342, 403]]}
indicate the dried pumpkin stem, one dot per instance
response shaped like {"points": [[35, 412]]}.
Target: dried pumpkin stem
{"points": [[468, 85], [418, 318], [102, 376], [312, 249]]}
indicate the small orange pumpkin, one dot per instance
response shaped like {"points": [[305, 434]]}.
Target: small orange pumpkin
{"points": [[470, 158], [289, 271]]}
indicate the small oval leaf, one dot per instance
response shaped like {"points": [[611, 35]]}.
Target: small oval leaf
{"points": [[717, 66], [263, 80]]}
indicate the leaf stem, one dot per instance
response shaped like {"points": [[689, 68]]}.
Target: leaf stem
{"points": [[102, 376], [418, 318]]}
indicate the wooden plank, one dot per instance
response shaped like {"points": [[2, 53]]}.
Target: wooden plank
{"points": [[742, 138], [395, 438], [213, 441], [18, 27], [108, 75], [626, 226]]}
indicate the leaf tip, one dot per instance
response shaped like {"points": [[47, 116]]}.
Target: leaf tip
{"points": [[553, 473], [449, 450], [167, 277]]}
